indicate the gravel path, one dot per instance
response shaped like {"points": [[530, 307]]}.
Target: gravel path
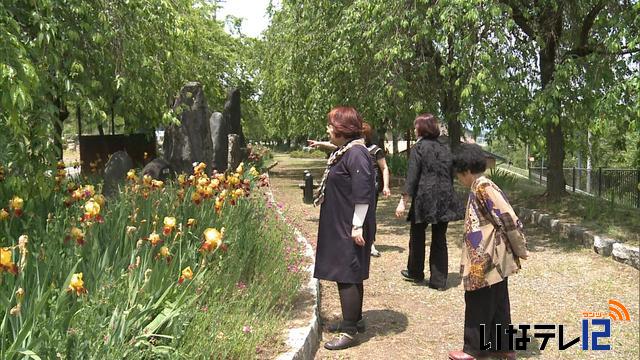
{"points": [[409, 321]]}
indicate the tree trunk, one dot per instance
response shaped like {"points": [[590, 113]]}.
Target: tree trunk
{"points": [[408, 139], [589, 149], [394, 142], [381, 132], [113, 122], [552, 22], [63, 114], [451, 110], [555, 147], [79, 117]]}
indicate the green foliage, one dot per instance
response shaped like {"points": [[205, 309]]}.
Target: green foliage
{"points": [[398, 165], [389, 59], [107, 60], [314, 154], [259, 156], [135, 305], [505, 181], [479, 63]]}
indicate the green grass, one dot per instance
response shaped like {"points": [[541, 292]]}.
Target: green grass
{"points": [[598, 215], [314, 154]]}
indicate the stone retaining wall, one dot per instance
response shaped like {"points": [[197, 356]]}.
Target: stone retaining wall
{"points": [[303, 341], [602, 245]]}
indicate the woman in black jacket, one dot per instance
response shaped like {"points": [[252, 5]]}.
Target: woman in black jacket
{"points": [[429, 185]]}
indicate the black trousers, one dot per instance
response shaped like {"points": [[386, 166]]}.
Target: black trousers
{"points": [[489, 306], [438, 257]]}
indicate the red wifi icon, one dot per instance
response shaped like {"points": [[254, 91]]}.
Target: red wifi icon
{"points": [[617, 311]]}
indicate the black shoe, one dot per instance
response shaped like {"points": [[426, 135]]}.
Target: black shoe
{"points": [[340, 342], [437, 288], [337, 327], [406, 276]]}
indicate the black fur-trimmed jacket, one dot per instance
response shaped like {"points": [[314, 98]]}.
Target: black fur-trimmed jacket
{"points": [[430, 184]]}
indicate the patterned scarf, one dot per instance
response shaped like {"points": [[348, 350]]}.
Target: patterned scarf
{"points": [[333, 159]]}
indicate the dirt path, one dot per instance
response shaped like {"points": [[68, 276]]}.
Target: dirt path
{"points": [[409, 321]]}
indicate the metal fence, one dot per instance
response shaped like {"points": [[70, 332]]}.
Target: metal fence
{"points": [[620, 186]]}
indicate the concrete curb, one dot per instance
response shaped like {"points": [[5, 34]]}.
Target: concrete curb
{"points": [[303, 342], [626, 254]]}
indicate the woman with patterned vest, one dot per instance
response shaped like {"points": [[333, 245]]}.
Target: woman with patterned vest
{"points": [[491, 252]]}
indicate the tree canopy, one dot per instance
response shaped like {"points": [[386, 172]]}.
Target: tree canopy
{"points": [[106, 59], [560, 77], [546, 73]]}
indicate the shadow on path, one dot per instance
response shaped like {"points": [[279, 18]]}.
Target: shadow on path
{"points": [[383, 322]]}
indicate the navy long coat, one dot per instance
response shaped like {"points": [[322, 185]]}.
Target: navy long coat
{"points": [[350, 181]]}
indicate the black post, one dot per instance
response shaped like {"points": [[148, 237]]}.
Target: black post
{"points": [[638, 189], [600, 182], [308, 188], [79, 117], [574, 179], [541, 167]]}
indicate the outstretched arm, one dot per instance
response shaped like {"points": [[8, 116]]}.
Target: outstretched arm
{"points": [[322, 145]]}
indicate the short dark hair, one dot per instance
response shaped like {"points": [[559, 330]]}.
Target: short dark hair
{"points": [[427, 126], [469, 157], [346, 122]]}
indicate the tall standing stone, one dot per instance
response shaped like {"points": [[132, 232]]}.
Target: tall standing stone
{"points": [[115, 171], [235, 153], [158, 169], [232, 115], [220, 138], [190, 141]]}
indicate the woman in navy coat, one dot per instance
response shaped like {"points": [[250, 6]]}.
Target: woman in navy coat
{"points": [[347, 221]]}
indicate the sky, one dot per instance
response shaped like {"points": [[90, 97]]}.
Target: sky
{"points": [[253, 12]]}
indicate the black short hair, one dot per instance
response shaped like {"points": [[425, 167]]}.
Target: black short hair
{"points": [[469, 157]]}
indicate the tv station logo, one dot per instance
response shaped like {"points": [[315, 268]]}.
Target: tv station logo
{"points": [[596, 329]]}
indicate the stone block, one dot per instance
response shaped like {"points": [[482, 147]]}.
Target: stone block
{"points": [[576, 234], [602, 245], [545, 221], [158, 169], [626, 254], [115, 171]]}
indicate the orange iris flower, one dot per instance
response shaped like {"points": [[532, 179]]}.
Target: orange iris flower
{"points": [[187, 274]]}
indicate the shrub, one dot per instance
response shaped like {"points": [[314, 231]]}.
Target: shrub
{"points": [[259, 155], [504, 180], [398, 165]]}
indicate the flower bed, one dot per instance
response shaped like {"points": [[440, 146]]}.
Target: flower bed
{"points": [[197, 268]]}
